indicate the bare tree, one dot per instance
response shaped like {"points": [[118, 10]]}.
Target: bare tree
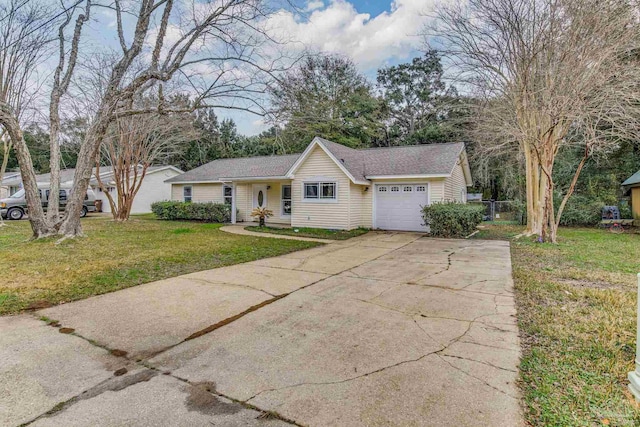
{"points": [[132, 144], [61, 80], [553, 74], [23, 45], [220, 53]]}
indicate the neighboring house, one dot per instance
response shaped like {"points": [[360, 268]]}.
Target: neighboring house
{"points": [[632, 187], [153, 188], [333, 186], [11, 183]]}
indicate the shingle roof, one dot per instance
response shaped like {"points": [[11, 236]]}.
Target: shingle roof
{"points": [[66, 175], [428, 159], [241, 167], [633, 180]]}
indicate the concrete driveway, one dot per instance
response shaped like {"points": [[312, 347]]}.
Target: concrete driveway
{"points": [[384, 329]]}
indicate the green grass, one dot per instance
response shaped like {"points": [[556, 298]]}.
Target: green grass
{"points": [[577, 315], [319, 233], [115, 256]]}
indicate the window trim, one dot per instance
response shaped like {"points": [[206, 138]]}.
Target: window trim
{"points": [[282, 200], [224, 196], [184, 197], [320, 199]]}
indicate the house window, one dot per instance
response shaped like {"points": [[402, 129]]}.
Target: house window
{"points": [[395, 189], [186, 193], [320, 190], [407, 189], [286, 200], [328, 190], [311, 191], [382, 189], [227, 194], [421, 188]]}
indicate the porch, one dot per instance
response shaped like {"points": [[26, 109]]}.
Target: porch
{"points": [[244, 196]]}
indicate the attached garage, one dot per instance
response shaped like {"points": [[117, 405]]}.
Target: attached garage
{"points": [[398, 206]]}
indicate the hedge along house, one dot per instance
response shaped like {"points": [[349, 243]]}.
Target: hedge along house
{"points": [[333, 186]]}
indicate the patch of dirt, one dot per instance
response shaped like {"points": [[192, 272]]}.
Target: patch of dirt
{"points": [[39, 305], [66, 330], [120, 372], [118, 353], [202, 400], [591, 284]]}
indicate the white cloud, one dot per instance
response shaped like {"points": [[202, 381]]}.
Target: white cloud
{"points": [[314, 4], [369, 41]]}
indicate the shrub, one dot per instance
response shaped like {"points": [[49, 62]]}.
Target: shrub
{"points": [[205, 212], [452, 219], [582, 211]]}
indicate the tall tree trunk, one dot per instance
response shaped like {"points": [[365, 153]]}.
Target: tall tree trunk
{"points": [[53, 205], [535, 188], [39, 225], [70, 225], [6, 150]]}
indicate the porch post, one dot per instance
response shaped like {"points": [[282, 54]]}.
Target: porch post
{"points": [[634, 377], [233, 203]]}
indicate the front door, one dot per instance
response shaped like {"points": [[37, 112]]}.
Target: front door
{"points": [[259, 196]]}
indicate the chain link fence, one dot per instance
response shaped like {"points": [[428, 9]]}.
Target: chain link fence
{"points": [[502, 211]]}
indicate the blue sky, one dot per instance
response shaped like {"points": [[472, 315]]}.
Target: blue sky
{"points": [[373, 33]]}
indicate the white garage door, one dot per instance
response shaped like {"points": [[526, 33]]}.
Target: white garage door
{"points": [[397, 206]]}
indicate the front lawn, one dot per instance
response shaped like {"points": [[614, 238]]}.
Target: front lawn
{"points": [[116, 256], [319, 233], [577, 314]]}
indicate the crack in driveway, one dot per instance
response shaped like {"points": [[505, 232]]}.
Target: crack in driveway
{"points": [[351, 273]]}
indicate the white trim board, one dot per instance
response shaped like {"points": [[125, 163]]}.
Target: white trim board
{"points": [[424, 176]]}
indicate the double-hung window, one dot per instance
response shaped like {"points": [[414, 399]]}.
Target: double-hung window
{"points": [[186, 193], [227, 194], [320, 190], [286, 200]]}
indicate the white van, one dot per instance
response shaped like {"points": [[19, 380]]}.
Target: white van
{"points": [[15, 206]]}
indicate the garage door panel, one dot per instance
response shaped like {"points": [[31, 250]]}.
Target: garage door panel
{"points": [[400, 210]]}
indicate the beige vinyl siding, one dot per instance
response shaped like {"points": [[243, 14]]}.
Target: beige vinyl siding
{"points": [[274, 199], [207, 193], [366, 210], [455, 184], [321, 214], [436, 191], [176, 192], [199, 192], [243, 196], [355, 205]]}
